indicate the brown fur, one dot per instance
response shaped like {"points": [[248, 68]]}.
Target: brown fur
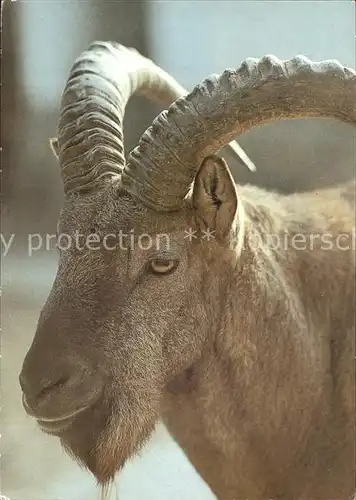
{"points": [[247, 354]]}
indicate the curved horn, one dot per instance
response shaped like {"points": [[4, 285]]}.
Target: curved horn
{"points": [[90, 134], [162, 167], [90, 143]]}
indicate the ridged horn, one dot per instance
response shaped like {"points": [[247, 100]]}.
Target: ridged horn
{"points": [[90, 143], [162, 167]]}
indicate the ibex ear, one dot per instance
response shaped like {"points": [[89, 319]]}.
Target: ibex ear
{"points": [[53, 142], [214, 195]]}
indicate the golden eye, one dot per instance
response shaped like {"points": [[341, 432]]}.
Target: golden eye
{"points": [[163, 266]]}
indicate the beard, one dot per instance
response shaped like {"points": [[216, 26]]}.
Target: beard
{"points": [[104, 437], [114, 429]]}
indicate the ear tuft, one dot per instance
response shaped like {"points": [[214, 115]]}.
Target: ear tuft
{"points": [[214, 195]]}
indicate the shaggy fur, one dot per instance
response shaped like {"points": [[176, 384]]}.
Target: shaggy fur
{"points": [[245, 349]]}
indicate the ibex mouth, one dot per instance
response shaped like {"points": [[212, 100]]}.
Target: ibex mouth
{"points": [[62, 418], [58, 425], [51, 420], [55, 427]]}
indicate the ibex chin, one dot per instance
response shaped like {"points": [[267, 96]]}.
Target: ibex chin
{"points": [[228, 313]]}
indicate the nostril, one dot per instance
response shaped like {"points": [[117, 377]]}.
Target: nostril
{"points": [[52, 386], [52, 392], [37, 392]]}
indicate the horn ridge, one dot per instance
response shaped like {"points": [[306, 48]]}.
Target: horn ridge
{"points": [[221, 107]]}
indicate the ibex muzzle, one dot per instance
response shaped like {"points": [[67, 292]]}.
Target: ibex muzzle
{"points": [[62, 383], [172, 311]]}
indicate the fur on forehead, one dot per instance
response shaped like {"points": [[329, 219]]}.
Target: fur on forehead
{"points": [[111, 207]]}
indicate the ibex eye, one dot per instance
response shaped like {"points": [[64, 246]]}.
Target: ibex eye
{"points": [[163, 266]]}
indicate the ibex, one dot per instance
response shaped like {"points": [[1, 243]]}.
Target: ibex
{"points": [[244, 348]]}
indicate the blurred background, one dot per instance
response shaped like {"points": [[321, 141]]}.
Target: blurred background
{"points": [[190, 39]]}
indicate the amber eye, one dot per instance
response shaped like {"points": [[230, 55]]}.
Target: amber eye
{"points": [[162, 266]]}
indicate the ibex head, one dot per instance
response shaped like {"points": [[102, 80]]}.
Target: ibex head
{"points": [[138, 292]]}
